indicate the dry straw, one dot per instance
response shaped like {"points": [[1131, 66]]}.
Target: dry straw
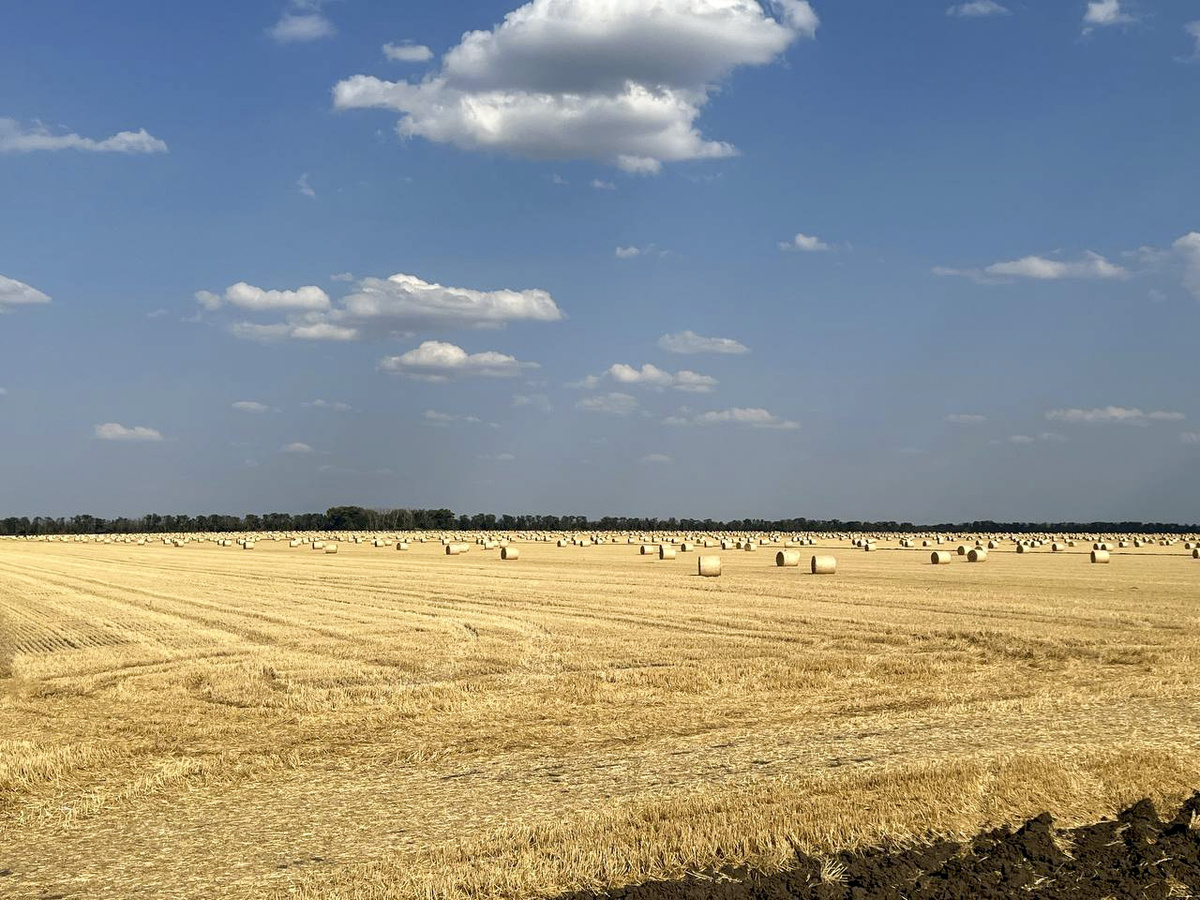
{"points": [[977, 555], [1100, 556], [823, 565], [510, 553], [708, 566], [940, 558], [666, 551], [787, 559]]}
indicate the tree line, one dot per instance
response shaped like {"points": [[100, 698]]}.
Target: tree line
{"points": [[358, 518]]}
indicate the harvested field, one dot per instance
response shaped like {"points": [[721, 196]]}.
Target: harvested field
{"points": [[201, 722]]}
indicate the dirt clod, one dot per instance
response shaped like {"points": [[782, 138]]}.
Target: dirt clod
{"points": [[1136, 856]]}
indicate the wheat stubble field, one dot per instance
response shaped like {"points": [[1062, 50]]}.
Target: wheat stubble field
{"points": [[200, 721]]}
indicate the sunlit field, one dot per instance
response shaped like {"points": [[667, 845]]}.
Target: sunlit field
{"points": [[203, 721]]}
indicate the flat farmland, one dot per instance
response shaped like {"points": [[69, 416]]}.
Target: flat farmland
{"points": [[201, 721]]}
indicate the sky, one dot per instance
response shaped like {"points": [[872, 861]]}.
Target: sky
{"points": [[727, 258]]}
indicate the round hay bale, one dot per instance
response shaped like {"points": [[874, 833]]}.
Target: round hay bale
{"points": [[686, 548], [457, 549], [666, 551], [1196, 553], [1021, 548], [992, 545], [708, 566], [510, 553], [868, 547], [789, 559], [647, 549], [962, 550], [318, 545], [1100, 556], [977, 555], [294, 542], [750, 547], [823, 565], [725, 545], [401, 545], [331, 548], [249, 545], [940, 558]]}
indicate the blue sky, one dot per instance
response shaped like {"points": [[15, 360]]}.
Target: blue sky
{"points": [[928, 262]]}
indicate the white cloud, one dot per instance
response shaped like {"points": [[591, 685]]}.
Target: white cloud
{"points": [[302, 22], [805, 243], [250, 406], [434, 417], [247, 296], [752, 417], [342, 276], [16, 139], [1104, 13], [438, 361], [1090, 266], [297, 447], [335, 405], [966, 419], [1190, 437], [1109, 415], [653, 376], [1093, 265], [1045, 437], [408, 52], [401, 305], [1193, 31], [977, 9], [17, 293], [540, 402], [632, 252], [305, 188], [619, 81], [614, 404], [656, 459], [690, 342], [1188, 248], [111, 431], [603, 185]]}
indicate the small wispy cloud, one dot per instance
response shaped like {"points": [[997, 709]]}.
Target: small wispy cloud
{"points": [[250, 406], [977, 9], [687, 342], [112, 431], [603, 185], [656, 459], [1092, 266], [297, 447], [407, 52], [301, 23], [613, 404], [305, 186], [335, 405], [14, 138], [1112, 415], [805, 243], [1105, 14], [965, 419], [750, 417]]}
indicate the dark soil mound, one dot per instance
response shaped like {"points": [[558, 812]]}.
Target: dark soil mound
{"points": [[1137, 856]]}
